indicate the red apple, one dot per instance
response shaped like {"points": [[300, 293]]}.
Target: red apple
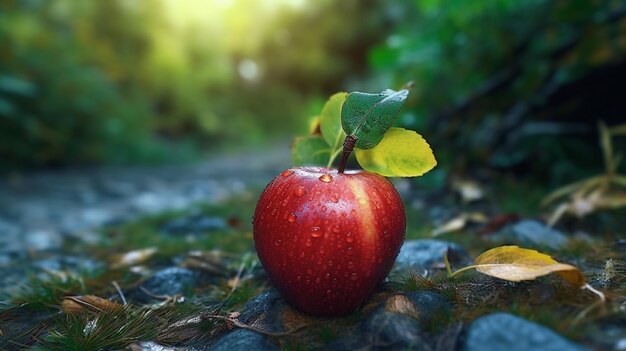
{"points": [[327, 239]]}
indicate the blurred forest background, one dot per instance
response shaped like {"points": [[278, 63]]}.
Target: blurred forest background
{"points": [[517, 86]]}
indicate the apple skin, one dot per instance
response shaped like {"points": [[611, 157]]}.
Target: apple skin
{"points": [[326, 240]]}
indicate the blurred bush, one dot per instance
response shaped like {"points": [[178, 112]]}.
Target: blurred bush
{"points": [[126, 81], [517, 85]]}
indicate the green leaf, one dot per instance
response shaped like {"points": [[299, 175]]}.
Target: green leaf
{"points": [[369, 116], [401, 153], [310, 150], [330, 120]]}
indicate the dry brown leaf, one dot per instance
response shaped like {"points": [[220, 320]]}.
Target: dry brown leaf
{"points": [[514, 263], [459, 222], [79, 304], [401, 304]]}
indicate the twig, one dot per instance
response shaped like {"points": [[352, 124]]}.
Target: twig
{"points": [[165, 298], [237, 279], [242, 325], [119, 292], [599, 302]]}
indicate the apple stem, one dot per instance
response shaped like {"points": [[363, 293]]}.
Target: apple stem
{"points": [[348, 146]]}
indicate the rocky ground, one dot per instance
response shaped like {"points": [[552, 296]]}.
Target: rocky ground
{"points": [[163, 259]]}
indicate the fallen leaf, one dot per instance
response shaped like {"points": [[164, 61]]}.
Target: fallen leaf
{"points": [[401, 304], [132, 258], [459, 222], [515, 264], [469, 190], [79, 304]]}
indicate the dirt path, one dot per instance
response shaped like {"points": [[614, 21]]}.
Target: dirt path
{"points": [[38, 209]]}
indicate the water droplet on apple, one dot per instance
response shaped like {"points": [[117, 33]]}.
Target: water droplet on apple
{"points": [[327, 276], [336, 229], [354, 276], [299, 278], [300, 191], [291, 218], [302, 254], [349, 237], [308, 242], [287, 173], [316, 232], [328, 292], [334, 198], [339, 246], [277, 243], [323, 208], [285, 202], [317, 280], [343, 214], [350, 265], [326, 178]]}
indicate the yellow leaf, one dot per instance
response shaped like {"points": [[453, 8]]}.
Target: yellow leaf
{"points": [[401, 153], [515, 264]]}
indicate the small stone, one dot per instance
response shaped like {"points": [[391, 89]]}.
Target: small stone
{"points": [[425, 254], [431, 307], [393, 331], [530, 233], [503, 331], [244, 340], [259, 307], [169, 282]]}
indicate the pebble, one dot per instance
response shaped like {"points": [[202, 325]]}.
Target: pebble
{"points": [[169, 282], [425, 254], [530, 233], [503, 331]]}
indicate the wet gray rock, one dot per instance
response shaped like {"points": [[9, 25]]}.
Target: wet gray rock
{"points": [[431, 308], [530, 233], [384, 330], [424, 254], [153, 346], [260, 307], [399, 323], [503, 331], [264, 312], [169, 282], [244, 340]]}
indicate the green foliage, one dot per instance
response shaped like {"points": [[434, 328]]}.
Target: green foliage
{"points": [[505, 82], [46, 294], [330, 121], [368, 116], [310, 150], [109, 329], [95, 81]]}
